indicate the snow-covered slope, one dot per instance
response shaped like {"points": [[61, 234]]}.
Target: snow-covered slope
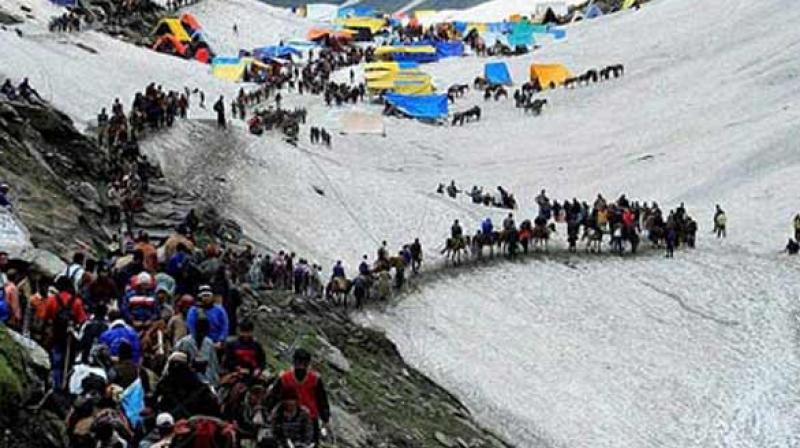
{"points": [[693, 352]]}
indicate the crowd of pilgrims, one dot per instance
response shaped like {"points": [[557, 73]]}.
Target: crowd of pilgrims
{"points": [[161, 323]]}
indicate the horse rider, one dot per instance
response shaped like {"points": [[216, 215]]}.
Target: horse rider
{"points": [[487, 228], [363, 268], [508, 223], [456, 232], [337, 271]]}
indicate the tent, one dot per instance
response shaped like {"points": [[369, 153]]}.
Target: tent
{"points": [[354, 122], [276, 51], [317, 34], [372, 23], [356, 11], [416, 53], [321, 12], [550, 17], [405, 82], [521, 34], [419, 106], [627, 4], [170, 44], [190, 22], [549, 75], [228, 68], [592, 11], [497, 73], [380, 67], [171, 26]]}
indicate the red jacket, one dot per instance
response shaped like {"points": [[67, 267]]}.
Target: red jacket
{"points": [[306, 391], [51, 307]]}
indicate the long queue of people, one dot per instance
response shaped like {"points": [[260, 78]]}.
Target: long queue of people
{"points": [[146, 346]]}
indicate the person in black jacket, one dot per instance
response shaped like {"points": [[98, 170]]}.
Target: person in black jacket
{"points": [[181, 393]]}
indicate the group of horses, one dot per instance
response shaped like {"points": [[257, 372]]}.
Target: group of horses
{"points": [[594, 76]]}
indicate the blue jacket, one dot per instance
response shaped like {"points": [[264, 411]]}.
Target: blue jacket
{"points": [[338, 271], [176, 264], [119, 331], [487, 227], [363, 268], [217, 318]]}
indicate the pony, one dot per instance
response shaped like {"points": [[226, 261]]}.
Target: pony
{"points": [[454, 248], [535, 107], [594, 239]]}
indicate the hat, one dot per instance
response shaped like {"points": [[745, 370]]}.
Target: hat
{"points": [[164, 419], [204, 291]]}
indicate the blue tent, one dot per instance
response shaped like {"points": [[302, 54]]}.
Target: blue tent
{"points": [[448, 49], [521, 34], [497, 73], [593, 11], [275, 51], [356, 11], [444, 49], [419, 106]]}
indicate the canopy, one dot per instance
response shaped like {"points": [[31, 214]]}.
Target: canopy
{"points": [[361, 123], [549, 75], [321, 12], [373, 24], [171, 26], [275, 51], [322, 33], [356, 11], [405, 82], [497, 73], [419, 106]]}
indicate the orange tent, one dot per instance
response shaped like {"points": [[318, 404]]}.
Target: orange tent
{"points": [[549, 75], [191, 21]]}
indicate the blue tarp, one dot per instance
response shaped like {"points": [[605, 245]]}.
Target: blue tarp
{"points": [[133, 403], [415, 57], [557, 33], [225, 60], [444, 49], [593, 11], [419, 106], [65, 2], [521, 34], [275, 51], [408, 65], [497, 73], [448, 49], [461, 27], [356, 11]]}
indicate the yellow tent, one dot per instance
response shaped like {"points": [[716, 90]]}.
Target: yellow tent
{"points": [[549, 75], [413, 82], [172, 26], [228, 72], [374, 24], [380, 51]]}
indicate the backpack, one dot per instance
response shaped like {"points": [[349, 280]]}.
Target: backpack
{"points": [[64, 317]]}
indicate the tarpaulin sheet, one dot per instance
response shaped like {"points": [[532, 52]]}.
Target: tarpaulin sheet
{"points": [[497, 73], [419, 106]]}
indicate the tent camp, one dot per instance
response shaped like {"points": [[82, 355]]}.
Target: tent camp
{"points": [[549, 75], [497, 73], [418, 53], [354, 122], [419, 106]]}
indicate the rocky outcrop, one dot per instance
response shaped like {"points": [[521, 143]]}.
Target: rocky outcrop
{"points": [[379, 400]]}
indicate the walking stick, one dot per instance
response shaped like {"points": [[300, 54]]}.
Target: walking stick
{"points": [[67, 355]]}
